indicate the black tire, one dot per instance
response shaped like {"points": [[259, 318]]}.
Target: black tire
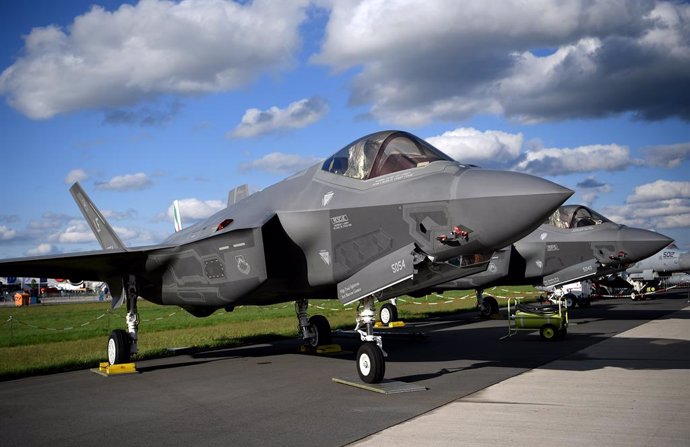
{"points": [[548, 332], [570, 300], [489, 307], [371, 365], [388, 313], [118, 347], [322, 329]]}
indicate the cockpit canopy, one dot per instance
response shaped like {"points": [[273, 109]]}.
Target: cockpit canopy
{"points": [[382, 153], [574, 216]]}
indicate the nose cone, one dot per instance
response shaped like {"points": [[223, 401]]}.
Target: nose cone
{"points": [[640, 244], [502, 206]]}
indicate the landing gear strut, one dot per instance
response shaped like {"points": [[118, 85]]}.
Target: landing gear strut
{"points": [[371, 365], [123, 344], [487, 305], [315, 331]]}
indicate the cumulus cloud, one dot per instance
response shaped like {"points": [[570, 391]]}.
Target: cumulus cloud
{"points": [[660, 204], [76, 233], [297, 115], [280, 162], [473, 146], [590, 189], [128, 182], [660, 190], [420, 61], [113, 59], [667, 156], [560, 161], [7, 233], [195, 209], [42, 249], [76, 175]]}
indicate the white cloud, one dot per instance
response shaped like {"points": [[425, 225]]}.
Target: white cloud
{"points": [[42, 249], [298, 114], [667, 156], [280, 162], [660, 204], [473, 146], [113, 59], [559, 161], [590, 189], [76, 175], [420, 61], [194, 209], [660, 190], [128, 182], [75, 233], [7, 233]]}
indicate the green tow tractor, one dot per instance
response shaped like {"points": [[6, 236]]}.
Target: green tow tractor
{"points": [[551, 320]]}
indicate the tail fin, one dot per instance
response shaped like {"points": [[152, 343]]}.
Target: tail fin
{"points": [[101, 229], [177, 218], [237, 194]]}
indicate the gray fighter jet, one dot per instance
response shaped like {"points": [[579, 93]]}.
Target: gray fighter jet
{"points": [[386, 215], [650, 271], [574, 243]]}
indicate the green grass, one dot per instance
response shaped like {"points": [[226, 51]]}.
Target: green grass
{"points": [[41, 339]]}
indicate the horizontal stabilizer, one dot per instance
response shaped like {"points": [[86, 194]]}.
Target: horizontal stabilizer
{"points": [[101, 229]]}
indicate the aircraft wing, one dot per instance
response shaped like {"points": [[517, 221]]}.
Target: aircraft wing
{"points": [[94, 265]]}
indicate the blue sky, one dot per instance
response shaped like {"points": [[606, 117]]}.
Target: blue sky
{"points": [[148, 102]]}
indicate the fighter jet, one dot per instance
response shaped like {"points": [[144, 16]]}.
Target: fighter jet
{"points": [[648, 272], [573, 243], [386, 215]]}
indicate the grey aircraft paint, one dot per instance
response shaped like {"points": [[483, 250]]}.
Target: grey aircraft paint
{"points": [[574, 243], [387, 214]]}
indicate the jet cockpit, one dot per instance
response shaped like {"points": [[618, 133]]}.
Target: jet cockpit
{"points": [[382, 153], [575, 216]]}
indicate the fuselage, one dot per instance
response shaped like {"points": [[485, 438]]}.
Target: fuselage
{"points": [[561, 252], [303, 236]]}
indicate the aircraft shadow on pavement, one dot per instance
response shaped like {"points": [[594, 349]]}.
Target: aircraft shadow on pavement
{"points": [[477, 346]]}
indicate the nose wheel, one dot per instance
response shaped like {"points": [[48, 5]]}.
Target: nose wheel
{"points": [[371, 366], [371, 363]]}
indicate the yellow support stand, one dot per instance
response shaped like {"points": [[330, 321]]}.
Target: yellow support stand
{"points": [[321, 349], [392, 324], [106, 369]]}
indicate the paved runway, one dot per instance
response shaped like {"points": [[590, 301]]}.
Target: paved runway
{"points": [[271, 395]]}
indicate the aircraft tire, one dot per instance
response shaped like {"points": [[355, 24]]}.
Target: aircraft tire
{"points": [[371, 366], [548, 332], [489, 308], [570, 300], [388, 313], [322, 329], [118, 347]]}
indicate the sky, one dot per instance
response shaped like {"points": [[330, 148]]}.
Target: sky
{"points": [[152, 101]]}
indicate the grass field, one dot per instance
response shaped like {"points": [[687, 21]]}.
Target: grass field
{"points": [[47, 338]]}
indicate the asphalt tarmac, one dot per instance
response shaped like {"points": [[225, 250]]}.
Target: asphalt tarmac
{"points": [[272, 395]]}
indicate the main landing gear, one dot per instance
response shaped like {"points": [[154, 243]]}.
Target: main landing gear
{"points": [[487, 305], [123, 344], [315, 330]]}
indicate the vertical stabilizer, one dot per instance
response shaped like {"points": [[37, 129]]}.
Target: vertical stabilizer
{"points": [[237, 194], [101, 229], [177, 218]]}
